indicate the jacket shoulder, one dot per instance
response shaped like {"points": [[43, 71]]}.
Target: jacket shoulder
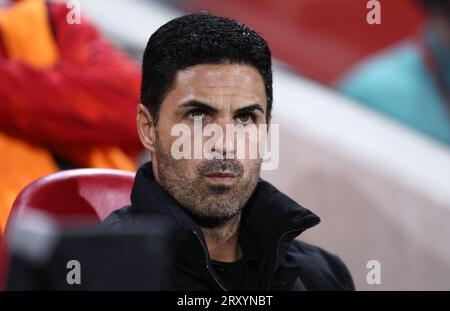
{"points": [[127, 219], [116, 221], [320, 269]]}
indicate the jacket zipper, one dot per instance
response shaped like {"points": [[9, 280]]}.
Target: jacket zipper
{"points": [[269, 284], [208, 267]]}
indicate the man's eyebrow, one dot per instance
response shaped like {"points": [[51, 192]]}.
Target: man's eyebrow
{"points": [[206, 107], [249, 108], [199, 105]]}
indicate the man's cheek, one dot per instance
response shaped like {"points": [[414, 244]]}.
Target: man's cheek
{"points": [[246, 168], [188, 167]]}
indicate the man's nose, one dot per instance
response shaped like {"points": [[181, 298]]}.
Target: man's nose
{"points": [[224, 144]]}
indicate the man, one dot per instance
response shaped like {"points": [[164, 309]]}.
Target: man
{"points": [[229, 228], [411, 82]]}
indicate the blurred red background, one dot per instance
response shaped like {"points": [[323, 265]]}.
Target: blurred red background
{"points": [[302, 33]]}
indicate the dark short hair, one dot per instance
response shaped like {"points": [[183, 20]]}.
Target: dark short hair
{"points": [[200, 38]]}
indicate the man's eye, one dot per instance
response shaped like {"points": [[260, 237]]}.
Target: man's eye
{"points": [[245, 118], [194, 114]]}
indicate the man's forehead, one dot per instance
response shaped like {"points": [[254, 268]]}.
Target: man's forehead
{"points": [[227, 73], [216, 82]]}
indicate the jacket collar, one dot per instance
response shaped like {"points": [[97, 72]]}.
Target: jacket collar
{"points": [[273, 220], [270, 219]]}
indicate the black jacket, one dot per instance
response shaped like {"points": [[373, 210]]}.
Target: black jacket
{"points": [[270, 219]]}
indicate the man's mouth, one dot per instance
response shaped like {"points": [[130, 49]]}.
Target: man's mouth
{"points": [[221, 178]]}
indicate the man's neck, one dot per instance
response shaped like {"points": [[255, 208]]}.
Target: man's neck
{"points": [[223, 242]]}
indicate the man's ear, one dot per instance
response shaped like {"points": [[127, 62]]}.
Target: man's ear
{"points": [[146, 127]]}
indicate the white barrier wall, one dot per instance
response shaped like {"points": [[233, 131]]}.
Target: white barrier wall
{"points": [[382, 191]]}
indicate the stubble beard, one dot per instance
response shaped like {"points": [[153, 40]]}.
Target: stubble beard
{"points": [[210, 206]]}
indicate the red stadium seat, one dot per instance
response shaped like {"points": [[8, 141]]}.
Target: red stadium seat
{"points": [[87, 194], [81, 193]]}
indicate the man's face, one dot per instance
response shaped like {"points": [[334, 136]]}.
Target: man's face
{"points": [[213, 191]]}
